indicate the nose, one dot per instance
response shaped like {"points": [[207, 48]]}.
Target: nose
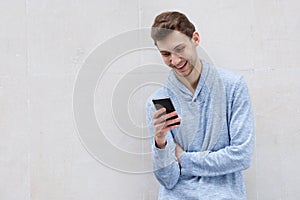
{"points": [[175, 59]]}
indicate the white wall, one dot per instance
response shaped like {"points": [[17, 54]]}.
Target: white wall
{"points": [[45, 44]]}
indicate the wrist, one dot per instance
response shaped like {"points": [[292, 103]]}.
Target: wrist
{"points": [[160, 142]]}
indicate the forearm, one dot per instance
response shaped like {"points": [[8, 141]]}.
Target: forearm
{"points": [[232, 158], [225, 161], [169, 175], [165, 164]]}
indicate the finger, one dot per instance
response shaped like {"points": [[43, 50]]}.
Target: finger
{"points": [[165, 117], [172, 121], [160, 120], [170, 128], [159, 112], [169, 115], [162, 131], [161, 126]]}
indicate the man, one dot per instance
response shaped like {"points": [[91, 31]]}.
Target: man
{"points": [[203, 157]]}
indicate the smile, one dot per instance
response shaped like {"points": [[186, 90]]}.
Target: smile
{"points": [[181, 68]]}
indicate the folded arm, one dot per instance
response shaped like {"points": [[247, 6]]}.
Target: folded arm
{"points": [[235, 157]]}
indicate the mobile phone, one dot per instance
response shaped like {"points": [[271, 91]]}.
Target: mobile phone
{"points": [[166, 103]]}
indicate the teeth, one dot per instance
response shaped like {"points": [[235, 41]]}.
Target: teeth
{"points": [[180, 66]]}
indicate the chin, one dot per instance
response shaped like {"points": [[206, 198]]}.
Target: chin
{"points": [[187, 72], [184, 74]]}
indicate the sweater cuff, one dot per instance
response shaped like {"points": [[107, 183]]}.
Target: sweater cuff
{"points": [[163, 157], [189, 161]]}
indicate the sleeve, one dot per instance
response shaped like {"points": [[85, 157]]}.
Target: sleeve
{"points": [[164, 162], [235, 157]]}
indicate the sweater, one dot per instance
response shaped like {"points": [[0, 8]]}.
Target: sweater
{"points": [[216, 133]]}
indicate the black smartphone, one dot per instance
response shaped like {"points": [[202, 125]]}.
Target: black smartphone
{"points": [[165, 103]]}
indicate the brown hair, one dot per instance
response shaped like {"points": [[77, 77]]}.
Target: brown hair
{"points": [[167, 22]]}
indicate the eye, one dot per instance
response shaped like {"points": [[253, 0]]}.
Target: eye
{"points": [[179, 49], [165, 53]]}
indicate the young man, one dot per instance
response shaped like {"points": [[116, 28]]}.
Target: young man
{"points": [[203, 157]]}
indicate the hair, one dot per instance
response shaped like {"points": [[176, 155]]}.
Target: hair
{"points": [[170, 21]]}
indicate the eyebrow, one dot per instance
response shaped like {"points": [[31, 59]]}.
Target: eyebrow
{"points": [[177, 46]]}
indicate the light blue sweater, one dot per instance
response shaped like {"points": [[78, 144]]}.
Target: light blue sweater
{"points": [[216, 149]]}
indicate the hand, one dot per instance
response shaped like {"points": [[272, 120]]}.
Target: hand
{"points": [[161, 126], [178, 152]]}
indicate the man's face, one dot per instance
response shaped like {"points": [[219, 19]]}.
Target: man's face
{"points": [[179, 52]]}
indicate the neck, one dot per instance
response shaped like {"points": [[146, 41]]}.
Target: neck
{"points": [[191, 81]]}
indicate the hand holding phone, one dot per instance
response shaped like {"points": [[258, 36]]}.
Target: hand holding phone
{"points": [[161, 120], [168, 105]]}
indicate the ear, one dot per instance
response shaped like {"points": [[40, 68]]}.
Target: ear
{"points": [[196, 38]]}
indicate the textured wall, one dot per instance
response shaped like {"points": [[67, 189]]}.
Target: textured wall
{"points": [[44, 44]]}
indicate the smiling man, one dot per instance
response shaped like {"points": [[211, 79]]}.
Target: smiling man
{"points": [[179, 52], [204, 156]]}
